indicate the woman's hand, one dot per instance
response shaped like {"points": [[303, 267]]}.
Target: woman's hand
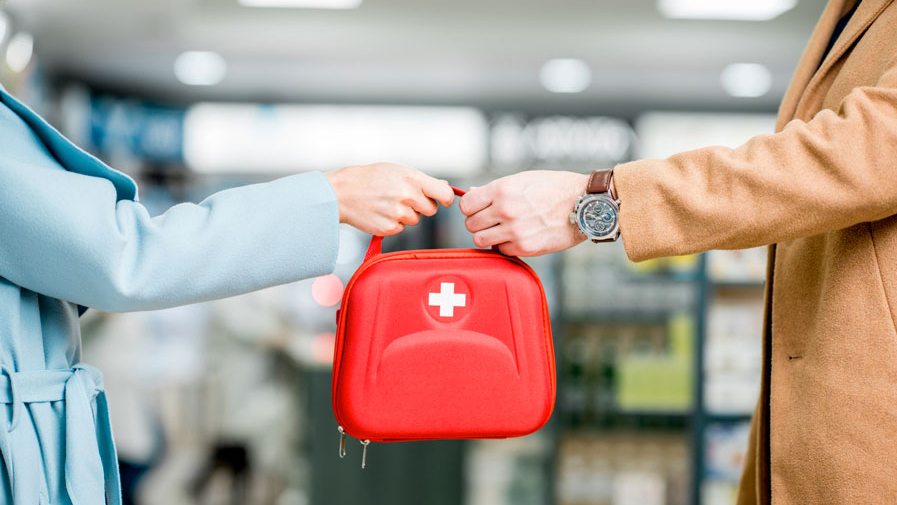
{"points": [[382, 198]]}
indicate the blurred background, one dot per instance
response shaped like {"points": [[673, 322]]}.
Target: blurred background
{"points": [[229, 402]]}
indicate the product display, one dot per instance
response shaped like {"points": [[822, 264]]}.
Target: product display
{"points": [[626, 377], [619, 367], [745, 265], [725, 446], [508, 472], [601, 280], [622, 469], [630, 361], [733, 354], [660, 381], [732, 367]]}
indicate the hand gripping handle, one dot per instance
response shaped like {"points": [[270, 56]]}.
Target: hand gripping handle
{"points": [[376, 246]]}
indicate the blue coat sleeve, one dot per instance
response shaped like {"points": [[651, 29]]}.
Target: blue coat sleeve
{"points": [[69, 236]]}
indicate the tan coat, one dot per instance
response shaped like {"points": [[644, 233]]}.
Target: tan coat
{"points": [[823, 191]]}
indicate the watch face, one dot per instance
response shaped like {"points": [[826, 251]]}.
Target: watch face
{"points": [[598, 216]]}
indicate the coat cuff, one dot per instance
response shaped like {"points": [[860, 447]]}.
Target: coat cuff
{"points": [[314, 211], [644, 228]]}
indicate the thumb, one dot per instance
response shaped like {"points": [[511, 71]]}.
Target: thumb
{"points": [[438, 190], [475, 200]]}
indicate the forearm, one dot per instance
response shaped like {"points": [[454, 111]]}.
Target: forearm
{"points": [[832, 172], [73, 241]]}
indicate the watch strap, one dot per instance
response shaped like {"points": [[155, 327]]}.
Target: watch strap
{"points": [[599, 181]]}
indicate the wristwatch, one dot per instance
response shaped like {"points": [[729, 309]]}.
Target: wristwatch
{"points": [[597, 212]]}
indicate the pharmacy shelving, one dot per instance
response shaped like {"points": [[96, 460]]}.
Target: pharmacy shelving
{"points": [[667, 372]]}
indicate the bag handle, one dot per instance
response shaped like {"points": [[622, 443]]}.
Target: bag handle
{"points": [[376, 246]]}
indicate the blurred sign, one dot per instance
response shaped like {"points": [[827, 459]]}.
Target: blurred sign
{"points": [[560, 142], [142, 130], [448, 141], [271, 139]]}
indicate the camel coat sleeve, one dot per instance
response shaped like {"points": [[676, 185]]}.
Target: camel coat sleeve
{"points": [[834, 171]]}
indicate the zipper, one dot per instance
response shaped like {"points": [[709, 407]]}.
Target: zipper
{"points": [[342, 442], [342, 447], [364, 452]]}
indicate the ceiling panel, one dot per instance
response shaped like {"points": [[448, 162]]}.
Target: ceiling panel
{"points": [[485, 53]]}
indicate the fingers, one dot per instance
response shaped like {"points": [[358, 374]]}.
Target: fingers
{"points": [[486, 218], [437, 189], [383, 198], [492, 236], [423, 205], [410, 218], [512, 249], [394, 229], [476, 200], [397, 225]]}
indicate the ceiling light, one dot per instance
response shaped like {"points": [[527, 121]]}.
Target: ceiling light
{"points": [[303, 4], [564, 75], [749, 10], [747, 80], [200, 68], [19, 51]]}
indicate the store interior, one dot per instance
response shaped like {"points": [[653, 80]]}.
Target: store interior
{"points": [[228, 402]]}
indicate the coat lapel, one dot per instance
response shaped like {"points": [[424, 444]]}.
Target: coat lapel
{"points": [[867, 12], [809, 62], [70, 156]]}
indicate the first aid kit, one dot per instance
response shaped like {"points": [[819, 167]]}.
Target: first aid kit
{"points": [[442, 344]]}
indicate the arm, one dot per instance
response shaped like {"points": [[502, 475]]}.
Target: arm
{"points": [[67, 236], [64, 235], [837, 170]]}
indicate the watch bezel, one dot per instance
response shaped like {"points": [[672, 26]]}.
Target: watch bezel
{"points": [[580, 208]]}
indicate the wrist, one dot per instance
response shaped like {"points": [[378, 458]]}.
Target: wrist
{"points": [[582, 184], [579, 188]]}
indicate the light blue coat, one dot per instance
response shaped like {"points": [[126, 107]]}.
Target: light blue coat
{"points": [[72, 233]]}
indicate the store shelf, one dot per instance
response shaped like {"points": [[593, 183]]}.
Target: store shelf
{"points": [[739, 285], [729, 362], [621, 316], [712, 417], [626, 353], [660, 279], [633, 420]]}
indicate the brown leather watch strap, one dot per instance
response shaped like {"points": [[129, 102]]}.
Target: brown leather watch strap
{"points": [[599, 181]]}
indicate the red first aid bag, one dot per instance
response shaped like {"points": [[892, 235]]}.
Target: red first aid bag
{"points": [[442, 344]]}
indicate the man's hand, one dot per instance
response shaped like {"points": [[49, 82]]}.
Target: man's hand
{"points": [[526, 214], [382, 198]]}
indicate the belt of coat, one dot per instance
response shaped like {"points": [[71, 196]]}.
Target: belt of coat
{"points": [[81, 388]]}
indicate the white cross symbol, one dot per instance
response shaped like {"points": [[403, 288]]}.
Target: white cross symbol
{"points": [[447, 299]]}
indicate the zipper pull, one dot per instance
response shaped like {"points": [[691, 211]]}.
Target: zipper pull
{"points": [[342, 442], [364, 452]]}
